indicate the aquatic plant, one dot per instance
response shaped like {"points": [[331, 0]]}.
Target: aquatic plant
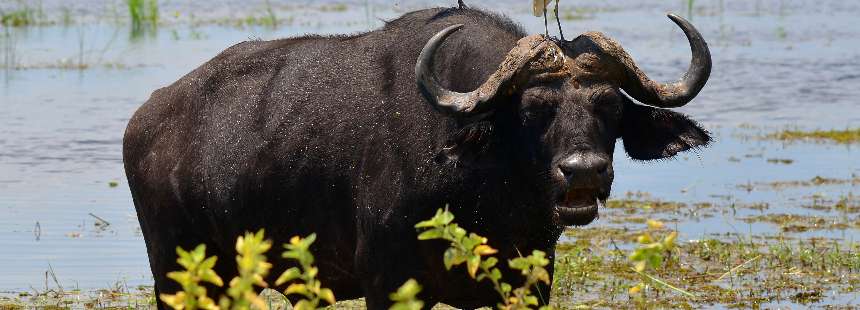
{"points": [[142, 12], [22, 16], [690, 4], [269, 19], [845, 136]]}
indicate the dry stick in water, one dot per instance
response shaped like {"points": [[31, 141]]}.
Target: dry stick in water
{"points": [[733, 270], [53, 276], [664, 283], [100, 219]]}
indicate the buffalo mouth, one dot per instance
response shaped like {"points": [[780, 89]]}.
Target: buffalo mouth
{"points": [[579, 207]]}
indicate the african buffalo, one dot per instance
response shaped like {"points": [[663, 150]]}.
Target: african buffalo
{"points": [[331, 134]]}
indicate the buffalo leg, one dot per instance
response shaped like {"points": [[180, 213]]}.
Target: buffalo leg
{"points": [[386, 259]]}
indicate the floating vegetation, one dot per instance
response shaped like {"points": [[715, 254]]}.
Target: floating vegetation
{"points": [[335, 7], [52, 296], [69, 64], [846, 136], [794, 223], [815, 181], [742, 272], [784, 161], [18, 18]]}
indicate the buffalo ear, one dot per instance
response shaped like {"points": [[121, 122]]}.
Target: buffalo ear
{"points": [[651, 133]]}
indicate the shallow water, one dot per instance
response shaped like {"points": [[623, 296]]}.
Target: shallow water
{"points": [[776, 65]]}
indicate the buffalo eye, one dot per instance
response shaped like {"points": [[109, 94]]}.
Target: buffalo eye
{"points": [[536, 108], [608, 107]]}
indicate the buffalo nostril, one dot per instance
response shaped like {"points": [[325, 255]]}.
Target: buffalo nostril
{"points": [[583, 166], [573, 165]]}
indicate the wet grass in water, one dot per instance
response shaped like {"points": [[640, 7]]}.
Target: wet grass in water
{"points": [[743, 272], [690, 8], [21, 16], [142, 13], [846, 136]]}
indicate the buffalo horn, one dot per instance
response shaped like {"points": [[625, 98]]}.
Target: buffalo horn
{"points": [[670, 95], [532, 56]]}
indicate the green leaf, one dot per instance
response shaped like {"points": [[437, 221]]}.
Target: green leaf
{"points": [[199, 253], [490, 262], [655, 260], [448, 257], [288, 275], [538, 258], [541, 274], [208, 263], [296, 288], [304, 305], [181, 277], [309, 240], [519, 263], [431, 234], [472, 264], [495, 274], [457, 231], [407, 291], [506, 288], [327, 295], [484, 250], [211, 277], [446, 217]]}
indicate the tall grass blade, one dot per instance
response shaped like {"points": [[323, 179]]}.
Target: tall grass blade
{"points": [[663, 283]]}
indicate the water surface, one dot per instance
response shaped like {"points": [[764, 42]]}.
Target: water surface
{"points": [[777, 64]]}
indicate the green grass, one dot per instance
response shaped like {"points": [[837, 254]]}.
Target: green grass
{"points": [[22, 16], [142, 13], [690, 4]]}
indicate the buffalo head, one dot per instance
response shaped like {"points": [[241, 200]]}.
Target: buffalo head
{"points": [[561, 103]]}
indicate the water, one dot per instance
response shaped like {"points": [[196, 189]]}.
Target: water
{"points": [[776, 65]]}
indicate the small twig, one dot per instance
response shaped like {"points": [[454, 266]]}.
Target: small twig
{"points": [[737, 267], [100, 219], [54, 276], [663, 283]]}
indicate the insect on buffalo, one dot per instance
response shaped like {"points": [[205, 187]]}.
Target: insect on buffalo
{"points": [[358, 137]]}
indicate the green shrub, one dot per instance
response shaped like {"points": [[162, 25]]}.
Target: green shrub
{"points": [[649, 255], [465, 248], [310, 289], [253, 268], [406, 296], [471, 249], [198, 269]]}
